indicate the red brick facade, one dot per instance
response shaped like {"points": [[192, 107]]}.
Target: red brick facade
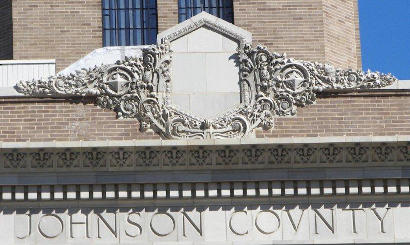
{"points": [[316, 30], [379, 113]]}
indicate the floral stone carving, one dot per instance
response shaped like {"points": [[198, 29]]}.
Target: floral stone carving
{"points": [[271, 85]]}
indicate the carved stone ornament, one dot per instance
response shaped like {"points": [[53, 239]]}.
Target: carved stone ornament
{"points": [[271, 85]]}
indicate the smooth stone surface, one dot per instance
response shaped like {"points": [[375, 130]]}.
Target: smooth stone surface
{"points": [[103, 56], [205, 73]]}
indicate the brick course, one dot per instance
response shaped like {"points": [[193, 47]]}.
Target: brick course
{"points": [[294, 27], [316, 30], [24, 119], [378, 114], [6, 28], [47, 120], [342, 37], [167, 14], [62, 29]]}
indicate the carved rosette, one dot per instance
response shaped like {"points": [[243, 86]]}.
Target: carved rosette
{"points": [[271, 85]]}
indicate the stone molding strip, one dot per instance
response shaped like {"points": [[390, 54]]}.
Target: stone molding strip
{"points": [[114, 157], [205, 142], [259, 189]]}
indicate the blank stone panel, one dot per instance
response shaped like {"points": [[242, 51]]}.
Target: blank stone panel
{"points": [[205, 73], [204, 39]]}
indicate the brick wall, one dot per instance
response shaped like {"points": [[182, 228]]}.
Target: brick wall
{"points": [[351, 115], [61, 29], [60, 120], [6, 30], [316, 30], [294, 27], [357, 34], [167, 14], [342, 37]]}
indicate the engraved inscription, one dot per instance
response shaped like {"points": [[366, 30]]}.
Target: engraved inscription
{"points": [[209, 224]]}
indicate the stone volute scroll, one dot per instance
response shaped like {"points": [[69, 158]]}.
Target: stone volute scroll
{"points": [[204, 79]]}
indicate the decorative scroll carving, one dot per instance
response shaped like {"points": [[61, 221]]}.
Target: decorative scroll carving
{"points": [[279, 84], [271, 85]]}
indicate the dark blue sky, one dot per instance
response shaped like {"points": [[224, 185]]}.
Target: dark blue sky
{"points": [[385, 36]]}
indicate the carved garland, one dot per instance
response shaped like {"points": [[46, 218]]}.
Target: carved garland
{"points": [[271, 85]]}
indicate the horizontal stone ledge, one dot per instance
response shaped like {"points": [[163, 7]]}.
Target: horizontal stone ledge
{"points": [[206, 142], [239, 189]]}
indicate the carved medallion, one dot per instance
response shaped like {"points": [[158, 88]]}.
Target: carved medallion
{"points": [[117, 80]]}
